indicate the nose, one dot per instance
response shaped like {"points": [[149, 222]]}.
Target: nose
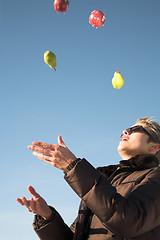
{"points": [[125, 132]]}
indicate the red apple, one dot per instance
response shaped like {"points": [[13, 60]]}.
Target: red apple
{"points": [[97, 18], [61, 5]]}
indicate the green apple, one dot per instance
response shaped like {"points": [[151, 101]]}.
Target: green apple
{"points": [[117, 80], [50, 59]]}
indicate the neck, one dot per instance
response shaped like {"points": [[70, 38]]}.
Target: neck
{"points": [[127, 156]]}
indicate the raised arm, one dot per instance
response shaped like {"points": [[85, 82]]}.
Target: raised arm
{"points": [[58, 155], [48, 223]]}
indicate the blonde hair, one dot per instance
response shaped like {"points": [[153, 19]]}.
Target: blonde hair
{"points": [[153, 128]]}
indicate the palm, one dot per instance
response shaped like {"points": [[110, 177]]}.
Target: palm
{"points": [[40, 206], [37, 204]]}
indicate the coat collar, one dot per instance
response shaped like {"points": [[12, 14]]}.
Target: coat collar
{"points": [[139, 162]]}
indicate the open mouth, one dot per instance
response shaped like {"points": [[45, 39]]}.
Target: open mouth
{"points": [[124, 139]]}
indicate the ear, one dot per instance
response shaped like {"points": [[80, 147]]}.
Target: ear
{"points": [[154, 148], [157, 147]]}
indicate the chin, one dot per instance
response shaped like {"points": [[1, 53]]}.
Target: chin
{"points": [[120, 153], [123, 153], [120, 149]]}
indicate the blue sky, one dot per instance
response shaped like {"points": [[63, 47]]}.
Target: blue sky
{"points": [[77, 101]]}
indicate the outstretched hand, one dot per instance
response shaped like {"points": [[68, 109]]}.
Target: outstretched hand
{"points": [[36, 204], [58, 155]]}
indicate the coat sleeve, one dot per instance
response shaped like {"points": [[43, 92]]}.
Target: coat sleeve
{"points": [[55, 229], [126, 217]]}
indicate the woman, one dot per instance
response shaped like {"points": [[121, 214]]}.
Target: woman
{"points": [[118, 202]]}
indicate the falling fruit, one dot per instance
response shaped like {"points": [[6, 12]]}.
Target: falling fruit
{"points": [[50, 59], [61, 5], [97, 18], [117, 80]]}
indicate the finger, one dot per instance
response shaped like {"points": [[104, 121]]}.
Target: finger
{"points": [[32, 206], [42, 157], [60, 141], [39, 149], [25, 202], [44, 145], [19, 201], [33, 192]]}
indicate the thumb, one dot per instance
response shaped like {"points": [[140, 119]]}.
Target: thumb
{"points": [[33, 192], [60, 141]]}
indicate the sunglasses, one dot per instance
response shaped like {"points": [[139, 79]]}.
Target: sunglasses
{"points": [[137, 128]]}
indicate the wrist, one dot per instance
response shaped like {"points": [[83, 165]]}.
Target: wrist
{"points": [[72, 164], [48, 215]]}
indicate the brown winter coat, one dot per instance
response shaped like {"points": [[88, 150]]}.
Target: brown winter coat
{"points": [[118, 202]]}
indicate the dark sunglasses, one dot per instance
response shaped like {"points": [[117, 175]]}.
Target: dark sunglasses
{"points": [[137, 128]]}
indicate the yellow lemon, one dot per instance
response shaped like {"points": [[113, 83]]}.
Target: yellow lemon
{"points": [[50, 59], [117, 80]]}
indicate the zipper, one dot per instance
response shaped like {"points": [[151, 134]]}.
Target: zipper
{"points": [[118, 170]]}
